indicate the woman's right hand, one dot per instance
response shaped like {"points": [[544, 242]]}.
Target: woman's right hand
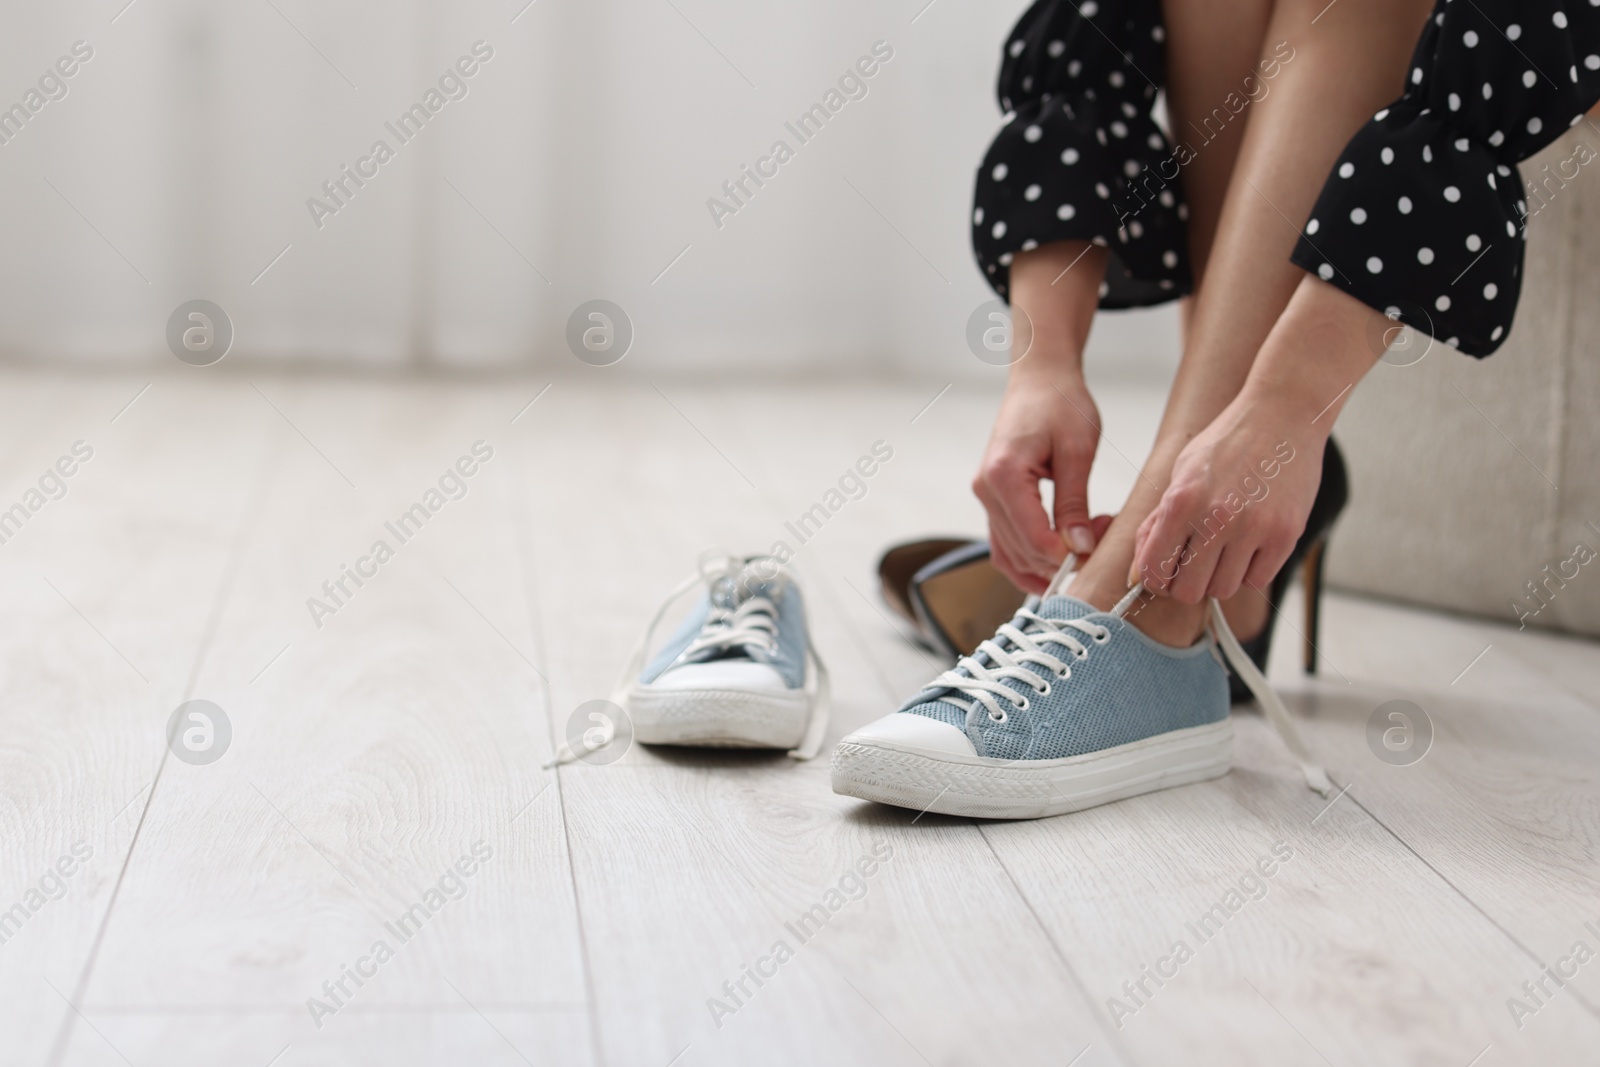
{"points": [[1048, 427]]}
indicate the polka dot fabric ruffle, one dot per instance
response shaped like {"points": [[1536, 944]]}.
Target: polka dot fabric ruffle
{"points": [[1080, 156], [1424, 215]]}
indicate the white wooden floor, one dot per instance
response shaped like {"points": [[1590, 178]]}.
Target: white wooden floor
{"points": [[371, 754]]}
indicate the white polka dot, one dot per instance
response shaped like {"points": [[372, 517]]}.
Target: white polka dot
{"points": [[1490, 291], [1165, 283], [1462, 144], [1392, 313], [1427, 153], [1073, 68], [1090, 9], [1066, 211], [1535, 124], [1115, 78], [1497, 138], [1032, 134], [1029, 245], [1104, 289], [1572, 72], [1374, 264], [1442, 304], [977, 217], [1387, 155], [1346, 169], [1070, 156], [1056, 48], [1119, 128], [1358, 215], [1424, 256], [1454, 342], [1016, 48], [1511, 228], [998, 230], [1474, 242], [1031, 192], [1455, 102], [1154, 141], [1325, 272], [1380, 116], [1027, 83], [1513, 31], [1528, 78], [1157, 33], [1101, 190], [1560, 19], [1183, 212], [1416, 75], [1005, 260], [1131, 169], [1166, 198], [1470, 39], [1312, 227], [1000, 171], [1492, 185], [1592, 62], [1404, 205], [1451, 193], [1498, 330], [1100, 135], [1136, 228], [1169, 259], [1488, 90]]}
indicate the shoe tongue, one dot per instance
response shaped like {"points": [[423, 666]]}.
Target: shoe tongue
{"points": [[1064, 607]]}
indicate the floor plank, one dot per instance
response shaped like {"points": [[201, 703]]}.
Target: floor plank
{"points": [[381, 750]]}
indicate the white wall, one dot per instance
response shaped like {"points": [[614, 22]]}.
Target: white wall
{"points": [[591, 141]]}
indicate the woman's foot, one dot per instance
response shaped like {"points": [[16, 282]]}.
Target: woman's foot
{"points": [[1064, 708]]}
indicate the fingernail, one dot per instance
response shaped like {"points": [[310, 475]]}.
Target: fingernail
{"points": [[1081, 538]]}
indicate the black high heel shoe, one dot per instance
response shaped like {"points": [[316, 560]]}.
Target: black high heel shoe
{"points": [[1332, 495]]}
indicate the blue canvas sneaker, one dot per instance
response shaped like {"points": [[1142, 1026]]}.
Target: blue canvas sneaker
{"points": [[739, 671], [1064, 708]]}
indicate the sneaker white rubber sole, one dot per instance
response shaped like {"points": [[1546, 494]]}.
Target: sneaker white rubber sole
{"points": [[949, 783], [718, 718]]}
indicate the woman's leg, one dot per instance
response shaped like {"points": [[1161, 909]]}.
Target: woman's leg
{"points": [[1344, 61], [1048, 426]]}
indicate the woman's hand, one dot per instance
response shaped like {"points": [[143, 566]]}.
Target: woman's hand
{"points": [[1237, 502], [1046, 429]]}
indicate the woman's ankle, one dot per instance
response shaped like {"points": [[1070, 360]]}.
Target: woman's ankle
{"points": [[1161, 619]]}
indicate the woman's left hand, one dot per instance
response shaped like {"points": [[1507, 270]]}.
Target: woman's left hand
{"points": [[1236, 504]]}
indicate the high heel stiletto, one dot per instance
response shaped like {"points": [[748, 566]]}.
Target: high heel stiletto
{"points": [[1332, 495]]}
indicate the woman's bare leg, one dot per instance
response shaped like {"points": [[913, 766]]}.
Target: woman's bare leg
{"points": [[1346, 60]]}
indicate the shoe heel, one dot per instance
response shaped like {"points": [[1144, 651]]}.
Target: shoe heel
{"points": [[1311, 579]]}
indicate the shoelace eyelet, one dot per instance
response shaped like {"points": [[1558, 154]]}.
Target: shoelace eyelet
{"points": [[1065, 672], [1046, 690], [999, 720], [1022, 705], [1103, 636]]}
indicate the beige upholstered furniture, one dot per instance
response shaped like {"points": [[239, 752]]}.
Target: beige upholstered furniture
{"points": [[1471, 480]]}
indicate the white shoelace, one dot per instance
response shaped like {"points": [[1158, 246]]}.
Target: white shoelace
{"points": [[981, 680], [751, 623]]}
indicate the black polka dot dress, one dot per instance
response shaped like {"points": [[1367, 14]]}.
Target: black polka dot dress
{"points": [[1080, 156], [1425, 213]]}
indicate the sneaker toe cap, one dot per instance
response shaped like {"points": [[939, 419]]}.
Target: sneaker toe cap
{"points": [[917, 733]]}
